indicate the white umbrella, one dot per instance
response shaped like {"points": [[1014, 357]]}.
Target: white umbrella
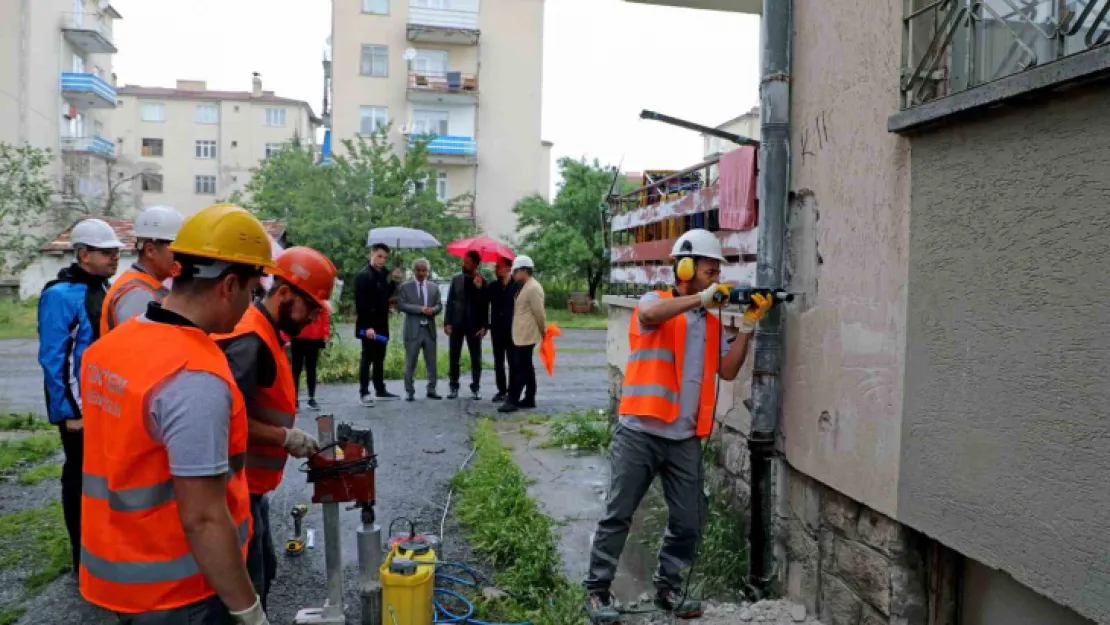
{"points": [[397, 236]]}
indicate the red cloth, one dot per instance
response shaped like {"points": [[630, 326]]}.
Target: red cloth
{"points": [[547, 348], [320, 329], [738, 189]]}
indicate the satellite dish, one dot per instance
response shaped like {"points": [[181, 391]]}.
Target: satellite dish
{"points": [[410, 54]]}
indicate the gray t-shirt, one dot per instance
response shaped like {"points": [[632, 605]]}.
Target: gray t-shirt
{"points": [[689, 394], [191, 415], [134, 302]]}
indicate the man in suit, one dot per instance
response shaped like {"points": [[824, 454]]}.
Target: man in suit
{"points": [[502, 297], [467, 318], [419, 300]]}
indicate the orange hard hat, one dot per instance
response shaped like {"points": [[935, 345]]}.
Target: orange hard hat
{"points": [[307, 271]]}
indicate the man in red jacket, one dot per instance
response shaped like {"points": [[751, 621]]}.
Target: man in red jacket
{"points": [[306, 348]]}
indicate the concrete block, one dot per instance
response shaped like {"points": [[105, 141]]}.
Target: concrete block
{"points": [[870, 617], [866, 571], [877, 530], [805, 500], [802, 584], [616, 381], [839, 605], [734, 453], [839, 511], [800, 545], [827, 545]]}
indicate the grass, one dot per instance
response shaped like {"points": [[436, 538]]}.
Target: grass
{"points": [[581, 429], [23, 422], [41, 473], [339, 363], [18, 319], [34, 448], [505, 526], [567, 320], [36, 541]]}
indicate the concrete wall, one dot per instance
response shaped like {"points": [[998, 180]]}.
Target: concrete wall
{"points": [[1004, 442], [848, 251], [46, 267], [993, 597]]}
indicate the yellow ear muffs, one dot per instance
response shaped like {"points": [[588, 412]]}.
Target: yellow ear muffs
{"points": [[685, 269]]}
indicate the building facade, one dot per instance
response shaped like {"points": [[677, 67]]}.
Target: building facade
{"points": [[943, 427], [194, 145], [467, 74]]}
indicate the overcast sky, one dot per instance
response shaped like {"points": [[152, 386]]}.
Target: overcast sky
{"points": [[604, 61]]}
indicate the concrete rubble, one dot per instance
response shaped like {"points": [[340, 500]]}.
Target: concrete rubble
{"points": [[767, 612]]}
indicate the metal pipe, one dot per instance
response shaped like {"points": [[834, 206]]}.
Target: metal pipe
{"points": [[705, 130], [774, 183], [333, 555], [369, 537]]}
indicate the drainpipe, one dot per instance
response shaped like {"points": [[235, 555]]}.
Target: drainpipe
{"points": [[774, 183]]}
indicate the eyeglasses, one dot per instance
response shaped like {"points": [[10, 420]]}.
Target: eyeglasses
{"points": [[111, 252]]}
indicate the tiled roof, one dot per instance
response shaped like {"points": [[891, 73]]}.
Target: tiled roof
{"points": [[208, 94], [124, 228]]}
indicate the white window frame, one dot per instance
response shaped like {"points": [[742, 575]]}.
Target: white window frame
{"points": [[148, 178], [431, 63], [378, 117], [441, 185], [372, 7], [374, 52], [154, 112], [79, 13], [201, 186], [276, 117], [207, 114], [429, 4], [431, 122], [273, 148], [206, 148]]}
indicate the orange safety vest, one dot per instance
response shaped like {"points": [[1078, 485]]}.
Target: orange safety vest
{"points": [[274, 405], [653, 377], [135, 556], [131, 279]]}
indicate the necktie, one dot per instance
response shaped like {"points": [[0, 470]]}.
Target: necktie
{"points": [[423, 299]]}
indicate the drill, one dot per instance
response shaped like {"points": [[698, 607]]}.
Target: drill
{"points": [[295, 545], [742, 295]]}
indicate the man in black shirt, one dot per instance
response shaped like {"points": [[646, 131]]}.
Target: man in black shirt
{"points": [[501, 293], [467, 317], [373, 290]]}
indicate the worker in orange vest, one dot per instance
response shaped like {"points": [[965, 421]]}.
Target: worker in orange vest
{"points": [[668, 400], [165, 505], [155, 229], [256, 354]]}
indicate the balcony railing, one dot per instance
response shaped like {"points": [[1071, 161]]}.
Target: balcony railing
{"points": [[88, 90], [444, 82], [91, 145], [443, 18], [89, 32], [448, 145]]}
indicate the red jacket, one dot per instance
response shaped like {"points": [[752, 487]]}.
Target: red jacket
{"points": [[317, 330]]}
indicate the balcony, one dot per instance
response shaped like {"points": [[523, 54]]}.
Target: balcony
{"points": [[751, 7], [443, 87], [443, 26], [97, 146], [89, 33], [449, 149], [87, 91]]}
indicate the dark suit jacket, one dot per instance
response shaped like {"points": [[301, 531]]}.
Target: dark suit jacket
{"points": [[467, 306], [409, 302]]}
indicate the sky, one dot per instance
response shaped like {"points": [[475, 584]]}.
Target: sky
{"points": [[604, 61]]}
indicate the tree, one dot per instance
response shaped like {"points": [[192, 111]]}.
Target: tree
{"points": [[25, 192], [565, 237], [333, 207], [112, 192]]}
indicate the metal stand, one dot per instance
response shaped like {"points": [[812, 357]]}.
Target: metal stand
{"points": [[369, 564], [332, 612]]}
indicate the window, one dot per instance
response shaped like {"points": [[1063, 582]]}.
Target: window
{"points": [[78, 64], [273, 148], [152, 183], [205, 185], [154, 112], [429, 4], [429, 122], [375, 61], [275, 117], [430, 63], [152, 147], [378, 7], [441, 185], [207, 114], [206, 149], [372, 118]]}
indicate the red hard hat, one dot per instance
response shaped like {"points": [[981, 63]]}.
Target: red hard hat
{"points": [[308, 271]]}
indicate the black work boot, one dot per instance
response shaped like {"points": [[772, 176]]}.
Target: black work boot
{"points": [[677, 603], [600, 608]]}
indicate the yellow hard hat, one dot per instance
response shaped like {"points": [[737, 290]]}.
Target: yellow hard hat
{"points": [[228, 233]]}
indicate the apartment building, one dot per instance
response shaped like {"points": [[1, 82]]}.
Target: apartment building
{"points": [[746, 125], [468, 73], [57, 87], [940, 453], [195, 145]]}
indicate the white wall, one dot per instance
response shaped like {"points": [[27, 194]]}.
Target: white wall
{"points": [[46, 267]]}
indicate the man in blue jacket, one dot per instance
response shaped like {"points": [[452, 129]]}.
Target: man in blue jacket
{"points": [[68, 322]]}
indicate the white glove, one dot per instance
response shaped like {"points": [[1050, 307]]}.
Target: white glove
{"points": [[300, 444], [252, 615], [707, 295]]}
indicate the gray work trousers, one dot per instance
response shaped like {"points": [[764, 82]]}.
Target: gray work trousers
{"points": [[261, 557], [210, 611], [635, 459], [426, 342]]}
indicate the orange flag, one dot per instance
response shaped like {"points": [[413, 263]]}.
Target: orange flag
{"points": [[547, 348]]}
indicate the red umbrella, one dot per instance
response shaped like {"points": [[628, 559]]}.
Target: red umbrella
{"points": [[490, 249]]}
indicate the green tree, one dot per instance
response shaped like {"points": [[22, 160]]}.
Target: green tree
{"points": [[333, 207], [565, 237], [25, 204]]}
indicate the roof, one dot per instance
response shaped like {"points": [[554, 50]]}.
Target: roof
{"points": [[124, 228], [172, 93]]}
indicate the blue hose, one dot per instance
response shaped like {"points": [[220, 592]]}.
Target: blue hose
{"points": [[442, 614]]}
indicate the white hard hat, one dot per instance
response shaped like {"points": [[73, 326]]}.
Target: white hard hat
{"points": [[158, 222], [700, 243], [94, 233], [523, 262]]}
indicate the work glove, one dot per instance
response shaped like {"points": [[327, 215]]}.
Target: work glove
{"points": [[300, 444], [755, 311], [707, 295], [252, 615]]}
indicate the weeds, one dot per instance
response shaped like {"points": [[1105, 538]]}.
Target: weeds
{"points": [[30, 450], [18, 319], [567, 320], [25, 422], [581, 429], [35, 540], [504, 524], [41, 473]]}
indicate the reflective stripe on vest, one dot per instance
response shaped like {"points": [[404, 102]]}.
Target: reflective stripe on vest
{"points": [[653, 376], [135, 554], [273, 405], [131, 279]]}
